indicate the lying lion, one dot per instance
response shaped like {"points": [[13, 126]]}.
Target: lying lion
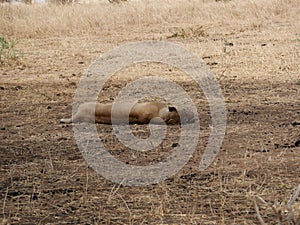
{"points": [[140, 113]]}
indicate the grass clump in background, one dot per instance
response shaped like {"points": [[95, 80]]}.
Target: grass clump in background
{"points": [[8, 51]]}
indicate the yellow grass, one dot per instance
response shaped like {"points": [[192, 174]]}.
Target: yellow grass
{"points": [[44, 20]]}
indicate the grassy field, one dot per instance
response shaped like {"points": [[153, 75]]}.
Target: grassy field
{"points": [[50, 20], [253, 49]]}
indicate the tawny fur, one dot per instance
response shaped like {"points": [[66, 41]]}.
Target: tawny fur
{"points": [[140, 113]]}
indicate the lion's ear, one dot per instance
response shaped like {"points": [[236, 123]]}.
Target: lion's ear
{"points": [[172, 109]]}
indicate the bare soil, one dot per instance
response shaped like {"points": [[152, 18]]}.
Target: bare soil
{"points": [[45, 179]]}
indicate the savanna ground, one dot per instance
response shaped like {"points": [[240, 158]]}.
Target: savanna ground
{"points": [[252, 47]]}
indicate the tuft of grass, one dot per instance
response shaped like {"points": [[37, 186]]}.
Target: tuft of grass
{"points": [[195, 32], [287, 213], [8, 52], [117, 1]]}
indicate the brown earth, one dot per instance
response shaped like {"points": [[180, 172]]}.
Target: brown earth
{"points": [[45, 179]]}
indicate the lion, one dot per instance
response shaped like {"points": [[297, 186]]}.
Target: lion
{"points": [[139, 113]]}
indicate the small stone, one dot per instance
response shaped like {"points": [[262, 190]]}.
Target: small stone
{"points": [[18, 88], [175, 145], [296, 123]]}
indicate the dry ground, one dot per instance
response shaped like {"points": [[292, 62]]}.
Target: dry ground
{"points": [[45, 179]]}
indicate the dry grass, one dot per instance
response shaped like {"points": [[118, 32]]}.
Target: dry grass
{"points": [[44, 20]]}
